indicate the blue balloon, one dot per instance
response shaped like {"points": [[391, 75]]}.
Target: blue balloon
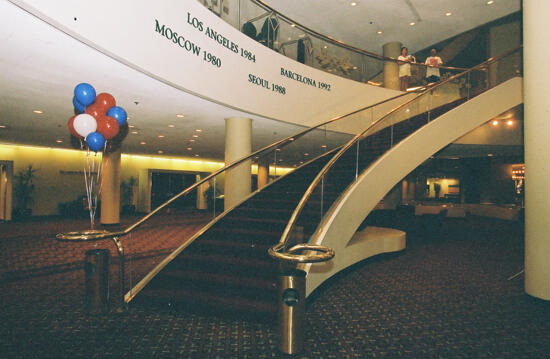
{"points": [[84, 93], [119, 114], [78, 106], [95, 141]]}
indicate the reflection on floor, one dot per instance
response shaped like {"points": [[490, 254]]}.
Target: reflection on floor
{"points": [[445, 297]]}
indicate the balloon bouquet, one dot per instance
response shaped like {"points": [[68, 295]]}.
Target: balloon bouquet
{"points": [[98, 121]]}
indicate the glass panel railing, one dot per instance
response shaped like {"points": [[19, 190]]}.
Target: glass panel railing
{"points": [[286, 36], [381, 135]]}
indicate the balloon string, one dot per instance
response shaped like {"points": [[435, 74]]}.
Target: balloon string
{"points": [[87, 185]]}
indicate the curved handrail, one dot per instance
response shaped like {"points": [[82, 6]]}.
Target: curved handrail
{"points": [[275, 251], [97, 235], [344, 45]]}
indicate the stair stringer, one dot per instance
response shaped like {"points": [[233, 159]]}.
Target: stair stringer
{"points": [[339, 226]]}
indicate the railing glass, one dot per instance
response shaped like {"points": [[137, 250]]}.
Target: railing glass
{"points": [[380, 136], [288, 37]]}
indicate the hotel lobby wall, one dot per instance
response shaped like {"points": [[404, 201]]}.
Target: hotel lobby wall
{"points": [[59, 176]]}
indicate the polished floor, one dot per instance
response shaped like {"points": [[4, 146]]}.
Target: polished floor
{"points": [[449, 295]]}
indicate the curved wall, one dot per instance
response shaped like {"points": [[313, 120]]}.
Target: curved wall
{"points": [[185, 45]]}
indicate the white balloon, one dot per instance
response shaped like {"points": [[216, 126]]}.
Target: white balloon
{"points": [[84, 124]]}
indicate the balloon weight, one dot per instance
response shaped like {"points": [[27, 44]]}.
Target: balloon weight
{"points": [[84, 93]]}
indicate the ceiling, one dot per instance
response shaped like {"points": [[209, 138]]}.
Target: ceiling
{"points": [[359, 25], [45, 64]]}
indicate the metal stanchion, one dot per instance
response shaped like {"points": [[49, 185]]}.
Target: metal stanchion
{"points": [[292, 309], [97, 281]]}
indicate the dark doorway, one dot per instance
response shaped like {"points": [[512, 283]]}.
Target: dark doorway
{"points": [[165, 185]]}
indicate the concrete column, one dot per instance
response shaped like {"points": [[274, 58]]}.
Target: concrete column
{"points": [[391, 69], [144, 191], [238, 144], [263, 173], [404, 191], [537, 148], [110, 187]]}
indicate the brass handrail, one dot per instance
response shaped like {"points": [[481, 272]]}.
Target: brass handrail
{"points": [[344, 45], [275, 251], [98, 235]]}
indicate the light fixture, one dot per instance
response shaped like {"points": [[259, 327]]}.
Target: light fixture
{"points": [[353, 3], [195, 136], [509, 122], [412, 23], [379, 32], [196, 155], [38, 111], [142, 143], [160, 136], [494, 123], [59, 141], [179, 115], [131, 126], [292, 25], [323, 146], [2, 126], [191, 140], [306, 154], [171, 126], [198, 130], [160, 152], [189, 148], [134, 132], [448, 14], [490, 2], [490, 155]]}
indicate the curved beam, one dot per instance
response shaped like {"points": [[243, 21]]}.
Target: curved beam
{"points": [[345, 216]]}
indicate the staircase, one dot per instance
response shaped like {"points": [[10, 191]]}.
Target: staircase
{"points": [[227, 268]]}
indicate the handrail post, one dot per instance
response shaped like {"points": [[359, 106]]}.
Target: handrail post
{"points": [[292, 310], [120, 250]]}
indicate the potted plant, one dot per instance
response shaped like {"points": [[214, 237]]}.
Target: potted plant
{"points": [[24, 191]]}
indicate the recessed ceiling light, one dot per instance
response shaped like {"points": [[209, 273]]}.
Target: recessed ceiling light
{"points": [[302, 35], [134, 132], [324, 47], [490, 2], [171, 126], [323, 146], [292, 25], [160, 152], [179, 115], [2, 126], [128, 118], [495, 123], [448, 14], [38, 111], [189, 148], [131, 126], [306, 154], [198, 130], [412, 23], [191, 140], [160, 136], [196, 155], [353, 3], [195, 136], [510, 122], [59, 141], [143, 143], [490, 155], [379, 32]]}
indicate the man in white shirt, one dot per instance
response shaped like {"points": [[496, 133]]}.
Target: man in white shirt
{"points": [[432, 71]]}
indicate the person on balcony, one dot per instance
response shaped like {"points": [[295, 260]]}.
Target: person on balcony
{"points": [[405, 68], [432, 71]]}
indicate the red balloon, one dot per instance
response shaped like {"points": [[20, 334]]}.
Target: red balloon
{"points": [[105, 100], [95, 110], [107, 126], [71, 127]]}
